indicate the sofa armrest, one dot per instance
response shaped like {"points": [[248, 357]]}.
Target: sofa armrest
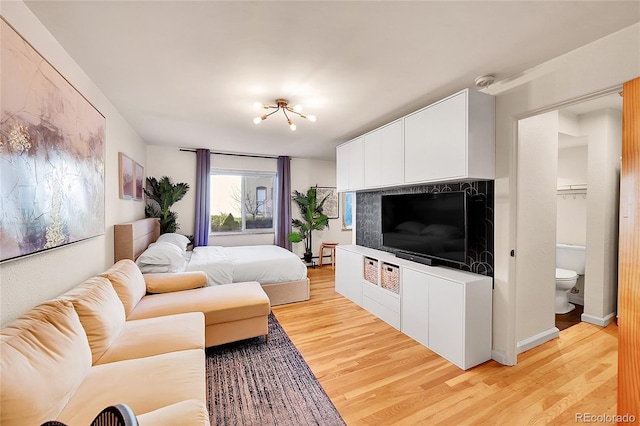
{"points": [[176, 281]]}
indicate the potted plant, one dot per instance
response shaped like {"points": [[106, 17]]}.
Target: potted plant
{"points": [[161, 195], [313, 219]]}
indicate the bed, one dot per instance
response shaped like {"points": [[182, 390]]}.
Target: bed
{"points": [[286, 282]]}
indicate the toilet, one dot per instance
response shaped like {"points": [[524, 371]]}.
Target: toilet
{"points": [[570, 262]]}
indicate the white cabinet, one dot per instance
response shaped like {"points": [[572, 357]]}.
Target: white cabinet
{"points": [[342, 167], [381, 303], [392, 172], [449, 140], [446, 319], [446, 310], [453, 139], [372, 159], [383, 158], [415, 304], [350, 165], [349, 275]]}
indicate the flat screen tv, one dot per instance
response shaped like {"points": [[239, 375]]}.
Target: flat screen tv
{"points": [[426, 227]]}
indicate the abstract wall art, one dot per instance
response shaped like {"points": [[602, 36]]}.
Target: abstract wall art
{"points": [[51, 155], [331, 205]]}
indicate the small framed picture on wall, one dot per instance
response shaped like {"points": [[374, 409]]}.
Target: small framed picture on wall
{"points": [[331, 205], [126, 173], [139, 174]]}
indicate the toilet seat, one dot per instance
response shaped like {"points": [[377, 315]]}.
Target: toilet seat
{"points": [[565, 275]]}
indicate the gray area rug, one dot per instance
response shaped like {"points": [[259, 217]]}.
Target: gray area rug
{"points": [[256, 383]]}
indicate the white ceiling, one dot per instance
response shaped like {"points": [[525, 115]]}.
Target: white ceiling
{"points": [[186, 73]]}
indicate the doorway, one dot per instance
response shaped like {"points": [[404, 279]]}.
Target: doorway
{"points": [[537, 223]]}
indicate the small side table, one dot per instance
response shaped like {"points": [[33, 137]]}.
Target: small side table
{"points": [[329, 246]]}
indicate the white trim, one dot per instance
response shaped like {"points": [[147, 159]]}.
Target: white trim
{"points": [[538, 339], [576, 298], [601, 321], [501, 357]]}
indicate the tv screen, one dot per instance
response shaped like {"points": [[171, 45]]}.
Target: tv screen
{"points": [[432, 225]]}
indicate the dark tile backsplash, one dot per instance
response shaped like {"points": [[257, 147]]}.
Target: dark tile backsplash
{"points": [[480, 243]]}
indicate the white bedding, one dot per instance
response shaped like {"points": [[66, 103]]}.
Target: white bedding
{"points": [[266, 264]]}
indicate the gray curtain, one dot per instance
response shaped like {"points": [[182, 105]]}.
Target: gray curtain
{"points": [[283, 202], [203, 196]]}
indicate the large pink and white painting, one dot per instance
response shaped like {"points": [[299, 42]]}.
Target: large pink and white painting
{"points": [[51, 155]]}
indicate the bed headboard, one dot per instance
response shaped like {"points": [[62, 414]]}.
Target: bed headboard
{"points": [[131, 239]]}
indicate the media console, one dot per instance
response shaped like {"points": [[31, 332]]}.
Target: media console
{"points": [[446, 310]]}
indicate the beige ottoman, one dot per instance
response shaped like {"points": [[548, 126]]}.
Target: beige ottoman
{"points": [[231, 311]]}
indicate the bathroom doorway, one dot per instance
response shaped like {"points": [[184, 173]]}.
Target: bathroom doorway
{"points": [[585, 139]]}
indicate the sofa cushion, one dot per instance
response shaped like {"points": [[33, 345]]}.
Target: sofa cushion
{"points": [[127, 280], [192, 410], [154, 336], [170, 282], [101, 313], [44, 357], [220, 304], [144, 384]]}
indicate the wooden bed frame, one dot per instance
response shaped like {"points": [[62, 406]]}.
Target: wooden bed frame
{"points": [[132, 238]]}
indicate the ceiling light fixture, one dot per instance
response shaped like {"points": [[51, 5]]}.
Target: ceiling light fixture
{"points": [[282, 104]]}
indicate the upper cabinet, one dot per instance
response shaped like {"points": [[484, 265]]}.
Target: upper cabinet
{"points": [[350, 165], [453, 139], [383, 156]]}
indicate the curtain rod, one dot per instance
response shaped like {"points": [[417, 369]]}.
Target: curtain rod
{"points": [[272, 157]]}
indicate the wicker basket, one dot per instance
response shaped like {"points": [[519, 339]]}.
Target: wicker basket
{"points": [[371, 270], [390, 277]]}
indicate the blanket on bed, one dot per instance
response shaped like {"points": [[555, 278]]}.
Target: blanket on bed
{"points": [[266, 264]]}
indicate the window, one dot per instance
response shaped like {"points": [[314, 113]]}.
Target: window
{"points": [[241, 201], [261, 199]]}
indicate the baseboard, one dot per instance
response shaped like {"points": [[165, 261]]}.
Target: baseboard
{"points": [[578, 299], [501, 357], [602, 322], [538, 339]]}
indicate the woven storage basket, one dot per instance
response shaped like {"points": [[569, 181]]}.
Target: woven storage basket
{"points": [[390, 277], [371, 270]]}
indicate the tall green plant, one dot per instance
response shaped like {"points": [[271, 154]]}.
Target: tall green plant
{"points": [[313, 219], [161, 195]]}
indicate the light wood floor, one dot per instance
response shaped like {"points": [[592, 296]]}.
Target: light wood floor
{"points": [[375, 375]]}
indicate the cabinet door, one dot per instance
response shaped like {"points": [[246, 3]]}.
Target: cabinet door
{"points": [[372, 159], [435, 141], [415, 304], [392, 158], [446, 319], [342, 167], [356, 164], [349, 275]]}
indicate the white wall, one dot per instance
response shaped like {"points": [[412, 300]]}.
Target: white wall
{"points": [[180, 166], [604, 132], [536, 229], [599, 67], [28, 281], [304, 174], [572, 208]]}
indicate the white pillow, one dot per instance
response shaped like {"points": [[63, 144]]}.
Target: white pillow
{"points": [[162, 253], [177, 239]]}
